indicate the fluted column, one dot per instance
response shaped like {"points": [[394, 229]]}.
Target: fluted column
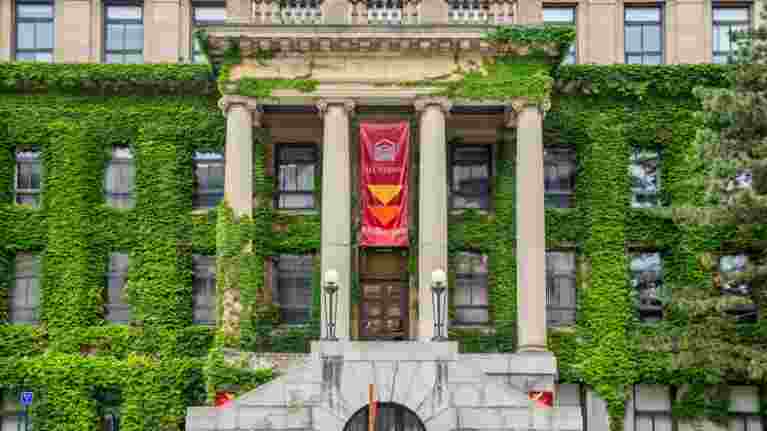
{"points": [[242, 114], [336, 206], [531, 229], [432, 206]]}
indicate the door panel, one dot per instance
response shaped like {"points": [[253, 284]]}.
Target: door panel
{"points": [[384, 310]]}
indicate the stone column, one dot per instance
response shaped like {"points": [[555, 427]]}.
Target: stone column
{"points": [[529, 12], [336, 207], [73, 19], [531, 231], [162, 22], [6, 25], [432, 206], [242, 114]]}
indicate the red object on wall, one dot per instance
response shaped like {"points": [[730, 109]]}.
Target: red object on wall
{"points": [[542, 398], [384, 156], [223, 399]]}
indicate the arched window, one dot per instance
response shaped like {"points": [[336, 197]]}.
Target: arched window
{"points": [[390, 417]]}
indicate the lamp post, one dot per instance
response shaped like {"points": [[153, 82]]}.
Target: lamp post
{"points": [[438, 288], [331, 304]]}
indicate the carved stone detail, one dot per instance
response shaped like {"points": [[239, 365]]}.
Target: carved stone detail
{"points": [[516, 106], [443, 103], [348, 105], [226, 102]]}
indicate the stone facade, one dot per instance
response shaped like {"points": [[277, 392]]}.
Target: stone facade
{"points": [[446, 390]]}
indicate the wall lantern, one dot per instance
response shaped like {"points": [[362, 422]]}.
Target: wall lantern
{"points": [[438, 288], [331, 304]]}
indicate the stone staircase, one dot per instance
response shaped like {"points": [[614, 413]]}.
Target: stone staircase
{"points": [[445, 389]]}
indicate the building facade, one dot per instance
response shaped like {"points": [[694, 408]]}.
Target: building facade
{"points": [[384, 149]]}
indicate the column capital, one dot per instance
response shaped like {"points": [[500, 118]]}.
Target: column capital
{"points": [[443, 103], [348, 104], [249, 103], [513, 109]]}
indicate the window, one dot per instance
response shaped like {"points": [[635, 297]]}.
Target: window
{"points": [[647, 282], [645, 184], [294, 287], [732, 273], [296, 165], [12, 414], [24, 296], [745, 409], [652, 408], [34, 31], [727, 22], [470, 297], [209, 179], [117, 309], [205, 14], [124, 34], [562, 15], [560, 288], [470, 176], [559, 177], [119, 179], [643, 34], [204, 289], [28, 177]]}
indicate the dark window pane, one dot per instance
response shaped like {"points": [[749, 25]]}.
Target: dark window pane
{"points": [[560, 288], [117, 308], [296, 177], [209, 179], [24, 295], [119, 178], [471, 177], [647, 281], [643, 173], [204, 289], [470, 295], [28, 177], [294, 287]]}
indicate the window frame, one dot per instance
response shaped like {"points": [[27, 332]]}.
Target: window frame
{"points": [[200, 262], [476, 280], [572, 53], [122, 21], [653, 414], [18, 19], [35, 275], [197, 191], [276, 279], [729, 24], [193, 53], [744, 312], [646, 313], [278, 161], [110, 197], [550, 276], [36, 193], [658, 179], [490, 153], [559, 156], [111, 306], [661, 25]]}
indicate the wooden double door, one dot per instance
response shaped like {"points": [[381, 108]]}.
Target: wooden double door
{"points": [[384, 311]]}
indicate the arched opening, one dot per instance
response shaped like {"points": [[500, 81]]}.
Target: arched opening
{"points": [[390, 417]]}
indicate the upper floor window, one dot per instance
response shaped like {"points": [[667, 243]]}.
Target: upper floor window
{"points": [[204, 289], [117, 308], [34, 31], [470, 176], [470, 296], [296, 169], [209, 179], [643, 34], [559, 177], [560, 288], [119, 180], [647, 282], [28, 177], [645, 183], [562, 15], [294, 287], [205, 14], [24, 295], [124, 34], [733, 273], [727, 22]]}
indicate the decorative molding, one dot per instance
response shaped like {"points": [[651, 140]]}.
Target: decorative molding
{"points": [[443, 103], [348, 104], [251, 104], [516, 106]]}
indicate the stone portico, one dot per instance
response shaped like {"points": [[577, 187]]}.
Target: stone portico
{"points": [[364, 73]]}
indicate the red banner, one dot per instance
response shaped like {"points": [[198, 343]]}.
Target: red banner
{"points": [[383, 184]]}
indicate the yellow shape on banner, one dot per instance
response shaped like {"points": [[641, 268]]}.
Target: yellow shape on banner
{"points": [[385, 192], [385, 214]]}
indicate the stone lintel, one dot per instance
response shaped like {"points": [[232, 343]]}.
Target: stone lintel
{"points": [[251, 104]]}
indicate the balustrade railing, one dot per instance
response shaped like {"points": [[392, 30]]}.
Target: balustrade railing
{"points": [[480, 12], [287, 12]]}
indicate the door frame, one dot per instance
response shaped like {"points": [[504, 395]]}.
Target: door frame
{"points": [[401, 277]]}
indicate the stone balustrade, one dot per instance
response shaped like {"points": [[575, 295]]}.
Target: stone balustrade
{"points": [[383, 12]]}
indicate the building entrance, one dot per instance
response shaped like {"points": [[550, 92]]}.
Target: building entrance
{"points": [[390, 417], [384, 313]]}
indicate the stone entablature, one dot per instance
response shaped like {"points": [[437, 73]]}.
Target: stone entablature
{"points": [[446, 390]]}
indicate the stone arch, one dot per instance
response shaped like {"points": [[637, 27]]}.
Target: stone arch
{"points": [[390, 417]]}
